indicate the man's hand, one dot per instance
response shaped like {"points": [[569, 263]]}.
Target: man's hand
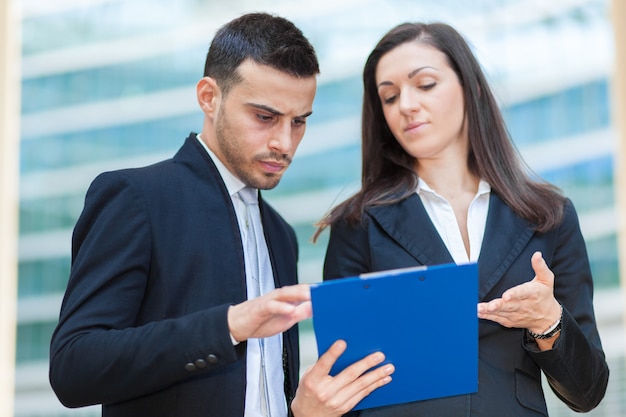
{"points": [[322, 395], [270, 314]]}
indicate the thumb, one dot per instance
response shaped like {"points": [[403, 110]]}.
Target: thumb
{"points": [[543, 274]]}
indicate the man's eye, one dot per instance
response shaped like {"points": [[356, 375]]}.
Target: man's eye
{"points": [[264, 118], [299, 122]]}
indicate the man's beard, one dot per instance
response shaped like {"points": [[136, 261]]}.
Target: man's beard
{"points": [[237, 161]]}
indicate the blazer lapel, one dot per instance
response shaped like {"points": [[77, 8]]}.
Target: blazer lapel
{"points": [[410, 226], [216, 203], [282, 245], [506, 235]]}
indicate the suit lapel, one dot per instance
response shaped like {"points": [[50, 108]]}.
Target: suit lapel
{"points": [[281, 243], [506, 235], [273, 244], [216, 203], [409, 225]]}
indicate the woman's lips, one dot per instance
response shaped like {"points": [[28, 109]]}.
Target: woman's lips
{"points": [[414, 126]]}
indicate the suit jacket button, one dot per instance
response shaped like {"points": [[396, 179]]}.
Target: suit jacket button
{"points": [[212, 359], [200, 363], [190, 367]]}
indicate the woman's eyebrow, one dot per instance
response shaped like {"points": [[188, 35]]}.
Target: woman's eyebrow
{"points": [[415, 71]]}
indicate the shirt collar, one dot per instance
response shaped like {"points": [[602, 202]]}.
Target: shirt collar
{"points": [[422, 186], [233, 184], [483, 188]]}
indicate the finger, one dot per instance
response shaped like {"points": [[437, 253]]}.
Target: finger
{"points": [[322, 367], [519, 292], [502, 320], [367, 383], [370, 379], [357, 369], [482, 309], [286, 300], [274, 307], [293, 293], [265, 316], [488, 315], [279, 316], [284, 312], [543, 274], [490, 306], [499, 314], [303, 311]]}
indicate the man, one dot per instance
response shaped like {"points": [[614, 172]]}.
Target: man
{"points": [[173, 307]]}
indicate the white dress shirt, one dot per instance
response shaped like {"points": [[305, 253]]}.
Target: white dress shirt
{"points": [[253, 352], [442, 215]]}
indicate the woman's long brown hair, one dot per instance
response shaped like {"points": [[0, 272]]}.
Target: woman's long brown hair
{"points": [[388, 174]]}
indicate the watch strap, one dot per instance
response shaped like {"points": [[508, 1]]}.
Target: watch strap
{"points": [[551, 331]]}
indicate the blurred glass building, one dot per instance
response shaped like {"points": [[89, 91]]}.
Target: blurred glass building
{"points": [[111, 84]]}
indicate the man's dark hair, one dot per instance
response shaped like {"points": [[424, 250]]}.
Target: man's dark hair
{"points": [[267, 40]]}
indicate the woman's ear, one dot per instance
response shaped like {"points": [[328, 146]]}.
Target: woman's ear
{"points": [[208, 94]]}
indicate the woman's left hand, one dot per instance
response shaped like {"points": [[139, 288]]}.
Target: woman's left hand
{"points": [[530, 305]]}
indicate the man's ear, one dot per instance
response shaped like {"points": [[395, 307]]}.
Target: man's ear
{"points": [[208, 94]]}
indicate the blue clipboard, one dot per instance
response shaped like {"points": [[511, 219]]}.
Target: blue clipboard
{"points": [[423, 319]]}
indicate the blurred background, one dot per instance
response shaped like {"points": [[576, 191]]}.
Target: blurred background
{"points": [[107, 84]]}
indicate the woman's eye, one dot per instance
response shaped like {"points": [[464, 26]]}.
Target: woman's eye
{"points": [[427, 87], [389, 100]]}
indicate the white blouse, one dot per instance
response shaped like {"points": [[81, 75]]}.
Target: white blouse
{"points": [[442, 216]]}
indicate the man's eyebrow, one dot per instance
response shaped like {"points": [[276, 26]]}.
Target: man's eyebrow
{"points": [[266, 108], [276, 112], [305, 115]]}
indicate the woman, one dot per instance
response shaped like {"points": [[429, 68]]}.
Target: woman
{"points": [[442, 182]]}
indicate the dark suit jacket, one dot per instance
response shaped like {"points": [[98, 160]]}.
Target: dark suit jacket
{"points": [[510, 364], [157, 259]]}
